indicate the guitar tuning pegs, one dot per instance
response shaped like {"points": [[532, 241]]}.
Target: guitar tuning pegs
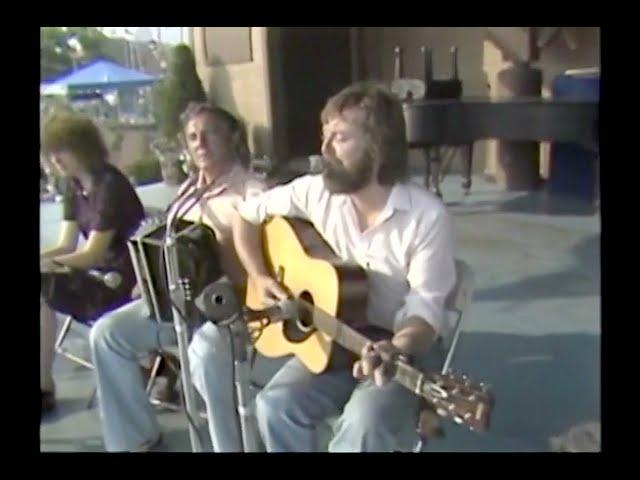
{"points": [[442, 412], [458, 419]]}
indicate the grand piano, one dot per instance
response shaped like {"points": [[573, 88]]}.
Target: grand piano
{"points": [[461, 122], [437, 114], [464, 121]]}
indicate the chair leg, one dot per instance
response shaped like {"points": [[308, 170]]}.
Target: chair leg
{"points": [[452, 348], [62, 351], [155, 370], [154, 373], [63, 333], [76, 359], [92, 399]]}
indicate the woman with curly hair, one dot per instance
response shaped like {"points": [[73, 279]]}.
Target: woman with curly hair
{"points": [[101, 205]]}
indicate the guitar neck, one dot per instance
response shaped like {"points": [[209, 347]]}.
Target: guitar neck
{"points": [[340, 332], [352, 340]]}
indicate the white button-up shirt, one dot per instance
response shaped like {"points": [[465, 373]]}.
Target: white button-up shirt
{"points": [[216, 208], [407, 254]]}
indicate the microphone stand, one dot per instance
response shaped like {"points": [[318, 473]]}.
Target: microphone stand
{"points": [[220, 305], [242, 368], [179, 293]]}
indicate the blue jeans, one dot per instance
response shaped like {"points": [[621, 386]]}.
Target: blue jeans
{"points": [[288, 409], [119, 341], [372, 418], [122, 338]]}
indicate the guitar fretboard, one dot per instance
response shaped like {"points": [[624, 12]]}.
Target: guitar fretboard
{"points": [[354, 341]]}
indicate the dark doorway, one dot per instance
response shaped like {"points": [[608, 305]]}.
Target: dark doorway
{"points": [[307, 66]]}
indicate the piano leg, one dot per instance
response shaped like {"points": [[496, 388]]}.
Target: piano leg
{"points": [[467, 161], [427, 163], [436, 160], [432, 168]]}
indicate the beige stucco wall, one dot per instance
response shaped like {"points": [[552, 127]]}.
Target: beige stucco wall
{"points": [[241, 88], [244, 88]]}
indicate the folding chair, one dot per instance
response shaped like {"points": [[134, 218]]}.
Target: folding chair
{"points": [[456, 304], [70, 322]]}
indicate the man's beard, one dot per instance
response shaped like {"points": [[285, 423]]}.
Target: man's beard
{"points": [[338, 179]]}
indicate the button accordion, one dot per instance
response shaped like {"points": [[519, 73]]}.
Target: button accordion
{"points": [[197, 259]]}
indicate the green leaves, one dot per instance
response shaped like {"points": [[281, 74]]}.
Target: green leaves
{"points": [[181, 86]]}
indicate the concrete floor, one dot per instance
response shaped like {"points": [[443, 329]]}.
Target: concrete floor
{"points": [[532, 330]]}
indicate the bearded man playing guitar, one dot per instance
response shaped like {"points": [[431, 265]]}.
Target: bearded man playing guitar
{"points": [[400, 235]]}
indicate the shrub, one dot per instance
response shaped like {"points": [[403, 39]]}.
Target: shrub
{"points": [[172, 95], [144, 170]]}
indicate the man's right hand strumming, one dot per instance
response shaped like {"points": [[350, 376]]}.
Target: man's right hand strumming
{"points": [[270, 290]]}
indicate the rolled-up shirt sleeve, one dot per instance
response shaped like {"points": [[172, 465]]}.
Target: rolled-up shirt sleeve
{"points": [[431, 275], [289, 200]]}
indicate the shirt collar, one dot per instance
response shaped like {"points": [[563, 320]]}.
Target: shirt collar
{"points": [[221, 183], [398, 200]]}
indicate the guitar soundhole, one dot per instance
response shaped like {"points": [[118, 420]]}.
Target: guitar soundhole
{"points": [[302, 328], [305, 320]]}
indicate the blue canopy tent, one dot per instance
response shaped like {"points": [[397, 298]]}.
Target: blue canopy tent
{"points": [[100, 82], [98, 75]]}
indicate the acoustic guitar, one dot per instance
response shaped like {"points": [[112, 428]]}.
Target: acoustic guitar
{"points": [[327, 289]]}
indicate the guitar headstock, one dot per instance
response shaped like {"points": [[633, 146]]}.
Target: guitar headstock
{"points": [[456, 397]]}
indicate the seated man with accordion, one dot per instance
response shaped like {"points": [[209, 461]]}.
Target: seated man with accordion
{"points": [[217, 144]]}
